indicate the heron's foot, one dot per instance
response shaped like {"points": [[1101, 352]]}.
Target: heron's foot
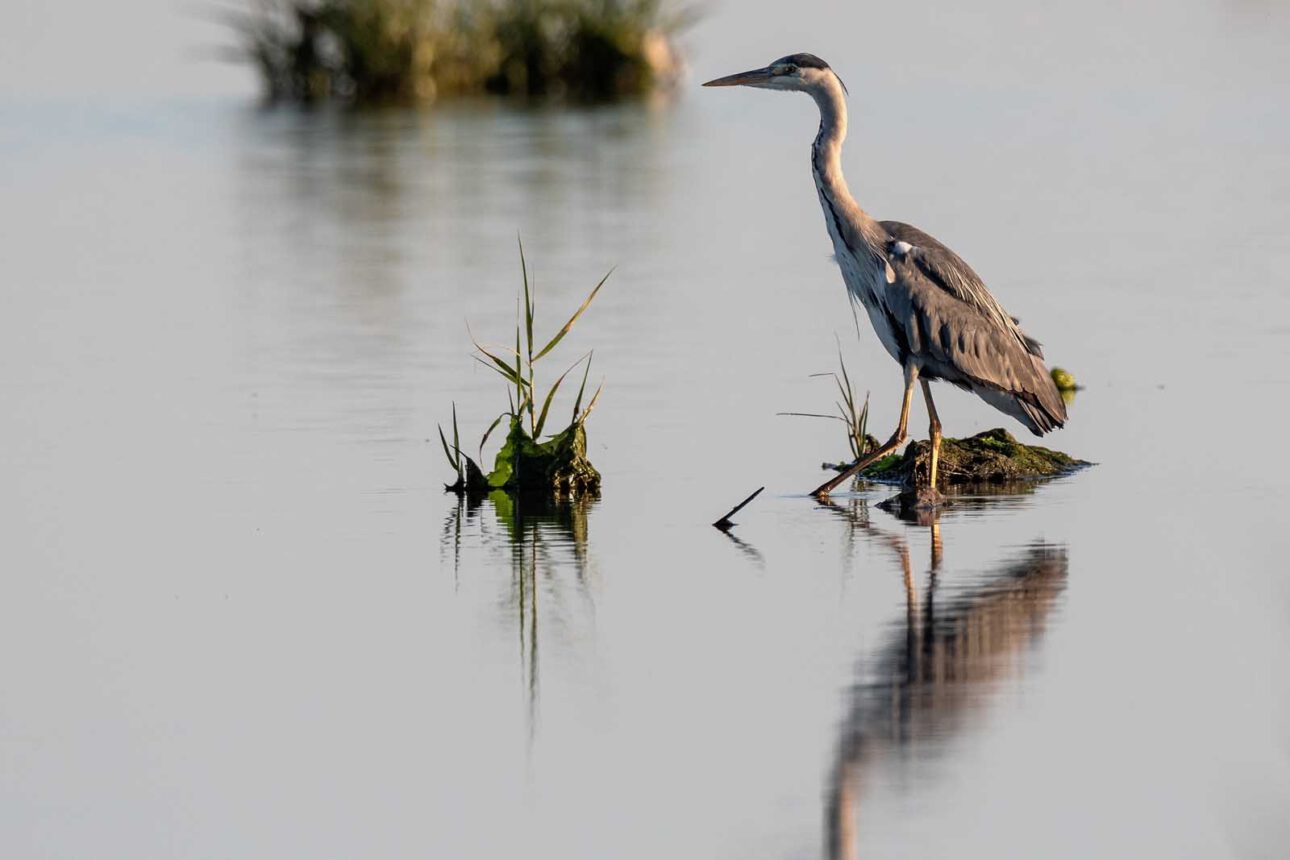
{"points": [[922, 506], [923, 498]]}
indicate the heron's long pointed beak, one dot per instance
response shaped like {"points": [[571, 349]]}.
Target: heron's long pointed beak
{"points": [[751, 77]]}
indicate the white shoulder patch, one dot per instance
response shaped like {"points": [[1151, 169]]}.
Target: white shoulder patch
{"points": [[900, 249]]}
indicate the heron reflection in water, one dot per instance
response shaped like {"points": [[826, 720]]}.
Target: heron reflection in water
{"points": [[924, 682], [933, 314]]}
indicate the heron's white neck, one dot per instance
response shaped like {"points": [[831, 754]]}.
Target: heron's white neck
{"points": [[826, 161], [833, 127]]}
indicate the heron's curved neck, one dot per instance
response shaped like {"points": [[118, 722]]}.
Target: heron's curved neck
{"points": [[833, 130], [826, 162]]}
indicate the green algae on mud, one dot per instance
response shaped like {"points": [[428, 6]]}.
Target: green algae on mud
{"points": [[558, 466], [991, 457]]}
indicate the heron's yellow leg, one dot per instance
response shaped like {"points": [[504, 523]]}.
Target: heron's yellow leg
{"points": [[934, 431], [896, 440], [903, 426]]}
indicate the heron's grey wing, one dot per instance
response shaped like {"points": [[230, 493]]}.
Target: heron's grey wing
{"points": [[947, 270], [954, 340]]}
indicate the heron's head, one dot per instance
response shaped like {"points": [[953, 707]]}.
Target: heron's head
{"points": [[794, 73]]}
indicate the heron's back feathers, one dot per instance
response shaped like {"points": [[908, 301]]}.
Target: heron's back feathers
{"points": [[957, 331], [948, 271]]}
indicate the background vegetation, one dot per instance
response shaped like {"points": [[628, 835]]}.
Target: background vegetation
{"points": [[419, 50]]}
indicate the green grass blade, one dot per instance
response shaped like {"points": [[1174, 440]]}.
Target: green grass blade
{"points": [[505, 370], [456, 437], [501, 366], [592, 404], [864, 417], [848, 394], [577, 404], [845, 394], [546, 405], [813, 415], [854, 441], [532, 398], [489, 432], [573, 319], [528, 301], [845, 383], [843, 364], [519, 376], [454, 462]]}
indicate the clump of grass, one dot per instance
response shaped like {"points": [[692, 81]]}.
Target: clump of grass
{"points": [[853, 414], [418, 50], [526, 463]]}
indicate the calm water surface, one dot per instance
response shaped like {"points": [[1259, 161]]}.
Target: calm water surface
{"points": [[240, 618]]}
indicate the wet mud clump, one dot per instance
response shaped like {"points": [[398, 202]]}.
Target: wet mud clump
{"points": [[992, 457], [557, 466], [471, 482]]}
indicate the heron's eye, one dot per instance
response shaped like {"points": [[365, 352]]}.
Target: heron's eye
{"points": [[790, 70]]}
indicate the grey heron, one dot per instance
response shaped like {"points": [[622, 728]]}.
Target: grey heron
{"points": [[932, 313]]}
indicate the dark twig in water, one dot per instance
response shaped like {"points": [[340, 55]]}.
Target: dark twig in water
{"points": [[725, 523]]}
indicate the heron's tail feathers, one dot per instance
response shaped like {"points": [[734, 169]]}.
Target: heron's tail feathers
{"points": [[1040, 419], [1037, 404], [1048, 409]]}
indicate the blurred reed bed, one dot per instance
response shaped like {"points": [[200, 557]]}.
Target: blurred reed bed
{"points": [[418, 50]]}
